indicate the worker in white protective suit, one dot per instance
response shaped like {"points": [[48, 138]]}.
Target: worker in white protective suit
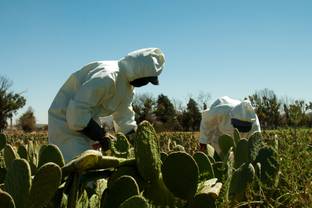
{"points": [[224, 115], [100, 89]]}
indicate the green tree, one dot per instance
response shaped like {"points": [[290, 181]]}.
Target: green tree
{"points": [[10, 102], [267, 108], [191, 117], [144, 106], [166, 114], [27, 121], [296, 113]]}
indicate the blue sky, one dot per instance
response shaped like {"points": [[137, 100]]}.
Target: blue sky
{"points": [[219, 47]]}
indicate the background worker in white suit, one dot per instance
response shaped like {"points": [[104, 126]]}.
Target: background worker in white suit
{"points": [[224, 115], [97, 90]]}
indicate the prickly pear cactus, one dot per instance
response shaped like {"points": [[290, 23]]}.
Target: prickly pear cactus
{"points": [[9, 155], [123, 188], [93, 159], [236, 136], [180, 174], [44, 185], [126, 171], [147, 154], [204, 166], [267, 157], [120, 147], [178, 148], [50, 153], [207, 193], [18, 182], [163, 156], [225, 143], [94, 201], [241, 153], [22, 152], [6, 200], [254, 144], [239, 181], [137, 201], [2, 141]]}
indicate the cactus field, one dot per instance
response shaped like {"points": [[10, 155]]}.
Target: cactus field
{"points": [[271, 169]]}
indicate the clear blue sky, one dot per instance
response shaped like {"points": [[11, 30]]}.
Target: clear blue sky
{"points": [[221, 47]]}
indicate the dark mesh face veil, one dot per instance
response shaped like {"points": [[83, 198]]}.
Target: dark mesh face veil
{"points": [[144, 81], [242, 126]]}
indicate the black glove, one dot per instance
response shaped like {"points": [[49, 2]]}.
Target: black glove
{"points": [[96, 133]]}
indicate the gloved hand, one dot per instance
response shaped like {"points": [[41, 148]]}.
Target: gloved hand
{"points": [[105, 142], [94, 132]]}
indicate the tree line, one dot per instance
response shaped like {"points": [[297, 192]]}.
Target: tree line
{"points": [[273, 112], [171, 115]]}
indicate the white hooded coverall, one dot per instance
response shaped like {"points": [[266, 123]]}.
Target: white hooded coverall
{"points": [[99, 89], [216, 121]]}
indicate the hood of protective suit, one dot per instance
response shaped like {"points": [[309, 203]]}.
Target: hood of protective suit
{"points": [[244, 112], [146, 62]]}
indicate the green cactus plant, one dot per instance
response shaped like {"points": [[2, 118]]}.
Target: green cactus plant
{"points": [[210, 151], [136, 201], [178, 148], [225, 143], [204, 166], [44, 185], [147, 153], [267, 157], [22, 152], [50, 153], [120, 147], [163, 156], [93, 159], [239, 181], [94, 201], [6, 200], [71, 188], [241, 153], [207, 193], [120, 190], [236, 136], [254, 144], [18, 182], [2, 141], [126, 171], [9, 155], [178, 167]]}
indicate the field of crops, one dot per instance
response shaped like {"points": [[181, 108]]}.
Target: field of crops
{"points": [[160, 170]]}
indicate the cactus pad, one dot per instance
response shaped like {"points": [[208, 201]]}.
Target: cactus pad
{"points": [[240, 179], [122, 189], [22, 152], [204, 166], [225, 143], [18, 182], [135, 202], [45, 184], [241, 153], [180, 174], [2, 141], [51, 153], [6, 200], [9, 155], [120, 147], [147, 154]]}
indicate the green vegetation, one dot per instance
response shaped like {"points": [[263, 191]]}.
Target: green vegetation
{"points": [[271, 169]]}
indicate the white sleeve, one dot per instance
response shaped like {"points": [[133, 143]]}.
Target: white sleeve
{"points": [[255, 126], [90, 94], [125, 117]]}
